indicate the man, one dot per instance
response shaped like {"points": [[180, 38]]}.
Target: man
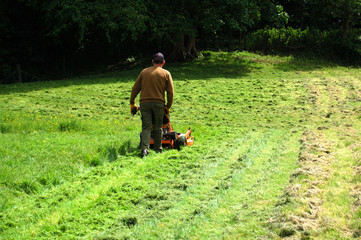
{"points": [[152, 83]]}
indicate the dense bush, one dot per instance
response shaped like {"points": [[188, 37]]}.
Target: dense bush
{"points": [[347, 48], [331, 44], [276, 39]]}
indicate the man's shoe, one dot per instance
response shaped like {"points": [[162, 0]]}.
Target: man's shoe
{"points": [[144, 153], [159, 151]]}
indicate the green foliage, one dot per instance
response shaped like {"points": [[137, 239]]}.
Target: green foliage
{"points": [[329, 44], [327, 15], [346, 48], [277, 39], [81, 19], [174, 20]]}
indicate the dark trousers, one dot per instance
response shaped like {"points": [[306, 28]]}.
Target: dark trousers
{"points": [[152, 114]]}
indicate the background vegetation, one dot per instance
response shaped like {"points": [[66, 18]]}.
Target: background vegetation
{"points": [[52, 39]]}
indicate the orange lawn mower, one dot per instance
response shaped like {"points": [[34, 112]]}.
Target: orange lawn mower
{"points": [[171, 139]]}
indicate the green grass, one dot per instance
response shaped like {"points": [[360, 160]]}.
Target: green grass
{"points": [[70, 166]]}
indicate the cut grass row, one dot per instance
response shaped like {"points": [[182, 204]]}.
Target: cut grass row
{"points": [[182, 195]]}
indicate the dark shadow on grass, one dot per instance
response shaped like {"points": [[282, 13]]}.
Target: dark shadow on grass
{"points": [[212, 65], [306, 61], [297, 63], [229, 65], [215, 65], [102, 78]]}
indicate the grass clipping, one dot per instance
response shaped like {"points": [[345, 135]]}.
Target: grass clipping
{"points": [[300, 205]]}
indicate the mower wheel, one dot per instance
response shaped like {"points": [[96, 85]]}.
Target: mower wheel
{"points": [[182, 141], [173, 135]]}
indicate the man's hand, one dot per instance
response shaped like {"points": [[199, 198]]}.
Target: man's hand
{"points": [[166, 110], [133, 109]]}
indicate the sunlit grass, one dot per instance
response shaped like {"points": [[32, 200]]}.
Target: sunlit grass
{"points": [[70, 166]]}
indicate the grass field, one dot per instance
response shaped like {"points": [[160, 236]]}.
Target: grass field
{"points": [[277, 154]]}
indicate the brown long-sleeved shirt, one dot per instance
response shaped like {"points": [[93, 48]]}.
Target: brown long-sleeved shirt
{"points": [[152, 83]]}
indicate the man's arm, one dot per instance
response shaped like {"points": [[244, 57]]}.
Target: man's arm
{"points": [[170, 92], [136, 89]]}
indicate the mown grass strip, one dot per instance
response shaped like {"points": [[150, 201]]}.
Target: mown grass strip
{"points": [[320, 200], [254, 191], [232, 181]]}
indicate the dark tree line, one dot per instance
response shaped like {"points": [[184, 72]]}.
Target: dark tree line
{"points": [[56, 38]]}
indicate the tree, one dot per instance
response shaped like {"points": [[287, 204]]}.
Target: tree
{"points": [[181, 21], [324, 15], [346, 13], [21, 42], [80, 27], [174, 22]]}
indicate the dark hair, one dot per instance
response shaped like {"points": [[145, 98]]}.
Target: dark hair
{"points": [[158, 58]]}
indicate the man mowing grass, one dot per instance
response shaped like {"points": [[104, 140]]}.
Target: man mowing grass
{"points": [[152, 83]]}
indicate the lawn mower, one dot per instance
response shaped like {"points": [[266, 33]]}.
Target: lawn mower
{"points": [[171, 138]]}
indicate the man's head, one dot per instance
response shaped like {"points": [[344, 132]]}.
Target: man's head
{"points": [[158, 58]]}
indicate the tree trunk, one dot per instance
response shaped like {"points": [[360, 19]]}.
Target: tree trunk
{"points": [[19, 73], [64, 64], [180, 52], [346, 27], [191, 48]]}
